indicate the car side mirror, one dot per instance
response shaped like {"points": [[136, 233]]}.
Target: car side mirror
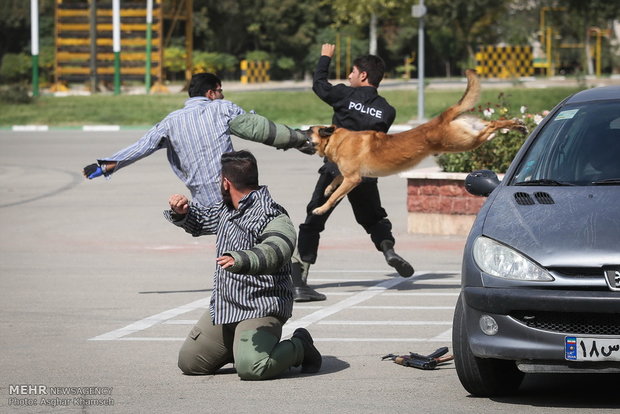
{"points": [[481, 182]]}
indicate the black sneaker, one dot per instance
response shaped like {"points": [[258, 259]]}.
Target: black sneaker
{"points": [[312, 357]]}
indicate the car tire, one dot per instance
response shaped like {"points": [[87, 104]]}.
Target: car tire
{"points": [[482, 377]]}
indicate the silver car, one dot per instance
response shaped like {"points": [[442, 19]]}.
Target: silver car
{"points": [[541, 267]]}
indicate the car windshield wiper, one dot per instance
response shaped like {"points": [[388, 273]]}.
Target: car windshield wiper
{"points": [[544, 181], [608, 181]]}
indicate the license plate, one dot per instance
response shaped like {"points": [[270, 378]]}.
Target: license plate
{"points": [[592, 349]]}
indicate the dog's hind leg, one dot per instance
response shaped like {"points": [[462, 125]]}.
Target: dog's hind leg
{"points": [[347, 185], [333, 185], [489, 130]]}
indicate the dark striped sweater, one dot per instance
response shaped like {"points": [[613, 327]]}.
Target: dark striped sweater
{"points": [[260, 236]]}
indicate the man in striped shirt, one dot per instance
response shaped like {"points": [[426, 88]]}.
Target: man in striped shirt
{"points": [[252, 293], [196, 136]]}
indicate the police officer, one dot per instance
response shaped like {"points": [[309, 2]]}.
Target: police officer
{"points": [[358, 107]]}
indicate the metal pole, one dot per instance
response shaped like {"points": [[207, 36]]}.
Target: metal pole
{"points": [[34, 34], [93, 46], [116, 40], [421, 63], [189, 40], [149, 36]]}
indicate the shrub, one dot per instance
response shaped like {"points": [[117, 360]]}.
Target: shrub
{"points": [[214, 62], [15, 94], [497, 154], [15, 67]]}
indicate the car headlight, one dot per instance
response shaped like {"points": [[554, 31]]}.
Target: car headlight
{"points": [[502, 261]]}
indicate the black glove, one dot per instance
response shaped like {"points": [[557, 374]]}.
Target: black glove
{"points": [[306, 147], [92, 171]]}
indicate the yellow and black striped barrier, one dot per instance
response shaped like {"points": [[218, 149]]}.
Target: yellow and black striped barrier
{"points": [[253, 71], [504, 62]]}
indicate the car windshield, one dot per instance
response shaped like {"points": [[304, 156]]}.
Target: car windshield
{"points": [[580, 145]]}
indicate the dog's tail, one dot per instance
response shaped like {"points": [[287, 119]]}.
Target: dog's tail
{"points": [[469, 98]]}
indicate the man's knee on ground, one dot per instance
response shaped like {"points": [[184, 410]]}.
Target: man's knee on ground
{"points": [[192, 364], [251, 370]]}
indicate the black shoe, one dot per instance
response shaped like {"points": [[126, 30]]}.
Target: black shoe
{"points": [[312, 357], [307, 294], [403, 267], [303, 292]]}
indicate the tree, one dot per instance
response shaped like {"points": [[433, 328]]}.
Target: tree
{"points": [[367, 12], [472, 22]]}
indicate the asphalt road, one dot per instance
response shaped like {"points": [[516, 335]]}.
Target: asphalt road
{"points": [[97, 292]]}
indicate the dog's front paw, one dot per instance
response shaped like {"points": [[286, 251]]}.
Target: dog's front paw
{"points": [[328, 191], [319, 211]]}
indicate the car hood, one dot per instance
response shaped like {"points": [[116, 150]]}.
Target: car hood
{"points": [[558, 226]]}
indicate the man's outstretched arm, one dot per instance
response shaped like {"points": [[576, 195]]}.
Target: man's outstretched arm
{"points": [[257, 128]]}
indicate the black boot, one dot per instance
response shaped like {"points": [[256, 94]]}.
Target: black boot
{"points": [[312, 357], [303, 292], [403, 267]]}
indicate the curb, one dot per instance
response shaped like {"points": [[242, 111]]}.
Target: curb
{"points": [[108, 128], [90, 128]]}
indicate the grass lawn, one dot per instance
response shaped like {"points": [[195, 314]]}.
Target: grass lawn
{"points": [[291, 108]]}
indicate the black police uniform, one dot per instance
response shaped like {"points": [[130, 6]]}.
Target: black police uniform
{"points": [[357, 109]]}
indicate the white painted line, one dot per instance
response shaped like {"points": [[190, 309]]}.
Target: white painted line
{"points": [[376, 340], [354, 271], [360, 297], [377, 307], [444, 336], [386, 323], [343, 280], [383, 323], [321, 312], [29, 128], [405, 307], [365, 339], [181, 322], [152, 320], [148, 338], [421, 294], [101, 128]]}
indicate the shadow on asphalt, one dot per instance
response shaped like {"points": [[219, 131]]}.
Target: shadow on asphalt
{"points": [[567, 391]]}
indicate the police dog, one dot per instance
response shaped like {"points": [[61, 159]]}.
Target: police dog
{"points": [[377, 154]]}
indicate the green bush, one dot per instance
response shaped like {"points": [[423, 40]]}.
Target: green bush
{"points": [[15, 67], [496, 154], [214, 62], [15, 94]]}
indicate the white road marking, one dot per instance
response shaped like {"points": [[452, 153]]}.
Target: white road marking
{"points": [[152, 320], [382, 323], [365, 339], [321, 312]]}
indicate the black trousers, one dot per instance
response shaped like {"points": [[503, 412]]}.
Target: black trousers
{"points": [[366, 205]]}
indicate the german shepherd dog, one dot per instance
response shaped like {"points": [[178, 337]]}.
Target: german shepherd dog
{"points": [[377, 154]]}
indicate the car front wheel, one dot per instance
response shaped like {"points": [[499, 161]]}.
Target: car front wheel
{"points": [[482, 377]]}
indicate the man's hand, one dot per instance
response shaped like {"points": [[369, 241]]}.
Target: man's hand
{"points": [[179, 203], [225, 261], [328, 50], [92, 171]]}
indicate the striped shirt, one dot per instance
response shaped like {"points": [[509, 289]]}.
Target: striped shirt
{"points": [[260, 237], [195, 137]]}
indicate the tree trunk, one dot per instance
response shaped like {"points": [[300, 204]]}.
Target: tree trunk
{"points": [[372, 48]]}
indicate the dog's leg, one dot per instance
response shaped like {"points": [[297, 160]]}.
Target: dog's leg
{"points": [[347, 185], [333, 185], [493, 126]]}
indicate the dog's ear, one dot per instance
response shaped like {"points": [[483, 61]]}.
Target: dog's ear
{"points": [[326, 132]]}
